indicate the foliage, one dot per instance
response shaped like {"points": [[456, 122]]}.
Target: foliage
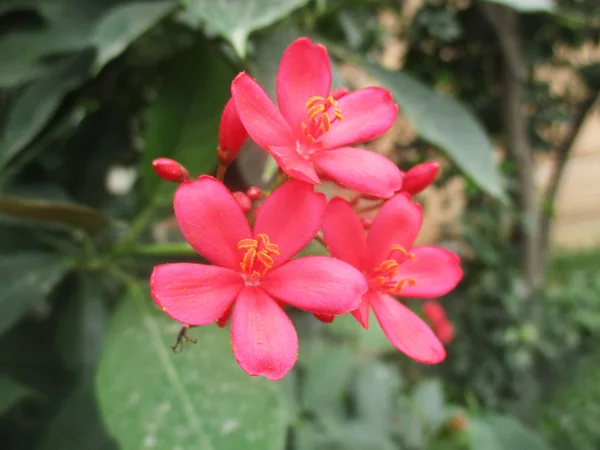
{"points": [[91, 92]]}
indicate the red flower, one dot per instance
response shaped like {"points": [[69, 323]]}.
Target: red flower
{"points": [[314, 126], [391, 267], [442, 327], [252, 269], [232, 134], [419, 177]]}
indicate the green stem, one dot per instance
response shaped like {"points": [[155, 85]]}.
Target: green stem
{"points": [[137, 228], [166, 249]]}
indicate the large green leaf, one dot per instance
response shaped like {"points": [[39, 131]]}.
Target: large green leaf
{"points": [[123, 24], [183, 121], [26, 278], [526, 5], [501, 432], [37, 104], [197, 399], [11, 393], [447, 124], [236, 19], [77, 425]]}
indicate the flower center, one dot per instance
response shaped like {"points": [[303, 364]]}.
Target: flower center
{"points": [[384, 278], [319, 121], [257, 259]]}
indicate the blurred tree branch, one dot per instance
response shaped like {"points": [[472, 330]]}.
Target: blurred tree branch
{"points": [[562, 156], [505, 23]]}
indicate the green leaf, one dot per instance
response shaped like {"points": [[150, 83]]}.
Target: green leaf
{"points": [[236, 19], [526, 6], [198, 399], [328, 372], [77, 425], [376, 388], [428, 400], [183, 121], [124, 24], [446, 123], [27, 278], [499, 432], [11, 393], [591, 75], [38, 103], [82, 327], [68, 213]]}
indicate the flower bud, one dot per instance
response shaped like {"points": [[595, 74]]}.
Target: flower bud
{"points": [[434, 312], [325, 318], [254, 193], [338, 93], [419, 177], [170, 170], [366, 223], [243, 200], [232, 134]]}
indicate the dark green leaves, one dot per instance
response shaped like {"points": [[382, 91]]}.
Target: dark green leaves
{"points": [[198, 399], [447, 124], [236, 19], [183, 121], [27, 278], [525, 6], [11, 393]]}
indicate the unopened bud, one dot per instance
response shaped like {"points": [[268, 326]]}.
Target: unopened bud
{"points": [[366, 223], [254, 193], [232, 134], [434, 312], [419, 177], [243, 200], [338, 93], [325, 318], [170, 170]]}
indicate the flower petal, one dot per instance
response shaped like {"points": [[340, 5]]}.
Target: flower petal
{"points": [[436, 272], [194, 294], [264, 123], [318, 284], [211, 220], [338, 93], [368, 113], [397, 223], [290, 216], [364, 171], [304, 72], [344, 234], [406, 331], [362, 313], [263, 338], [232, 134], [292, 163]]}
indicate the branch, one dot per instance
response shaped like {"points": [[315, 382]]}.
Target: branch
{"points": [[562, 156], [505, 23]]}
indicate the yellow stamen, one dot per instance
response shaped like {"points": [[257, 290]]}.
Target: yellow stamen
{"points": [[325, 122], [311, 101]]}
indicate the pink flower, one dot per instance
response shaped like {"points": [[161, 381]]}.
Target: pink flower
{"points": [[313, 128], [252, 269], [232, 134], [419, 177], [391, 267]]}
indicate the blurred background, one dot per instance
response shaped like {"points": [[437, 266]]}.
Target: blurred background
{"points": [[502, 93]]}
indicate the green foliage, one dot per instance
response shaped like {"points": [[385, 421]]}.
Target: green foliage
{"points": [[150, 396], [447, 124], [249, 15], [97, 88], [526, 5]]}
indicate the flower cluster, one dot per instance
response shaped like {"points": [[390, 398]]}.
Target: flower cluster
{"points": [[250, 239]]}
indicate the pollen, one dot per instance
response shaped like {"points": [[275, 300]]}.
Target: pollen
{"points": [[384, 278], [319, 120], [257, 258]]}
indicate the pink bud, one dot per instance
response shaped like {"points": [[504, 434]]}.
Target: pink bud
{"points": [[170, 170], [338, 93], [232, 134], [434, 312], [325, 318], [366, 223], [445, 332], [243, 200], [419, 177], [254, 193]]}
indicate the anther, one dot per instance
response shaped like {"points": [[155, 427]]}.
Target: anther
{"points": [[338, 113], [315, 110], [311, 101], [325, 123]]}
